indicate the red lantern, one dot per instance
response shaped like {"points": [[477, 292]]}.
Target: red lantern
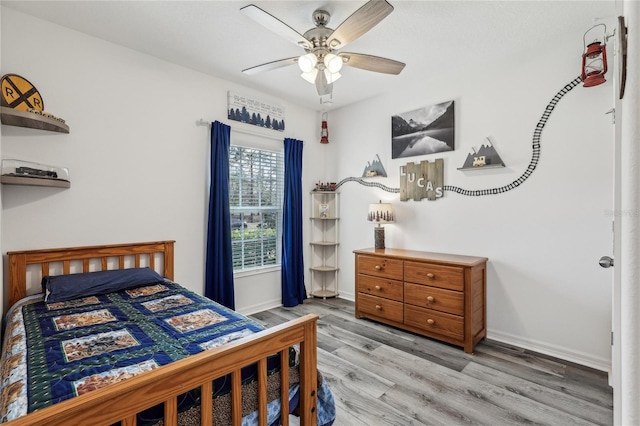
{"points": [[324, 132], [594, 61]]}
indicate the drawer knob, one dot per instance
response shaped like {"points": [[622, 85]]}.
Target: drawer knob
{"points": [[378, 267], [430, 321], [378, 288], [378, 307], [430, 299], [430, 276]]}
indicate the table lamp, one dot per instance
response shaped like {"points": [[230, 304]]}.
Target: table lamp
{"points": [[380, 213]]}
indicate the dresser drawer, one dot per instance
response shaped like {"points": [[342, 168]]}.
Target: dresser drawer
{"points": [[434, 298], [434, 321], [449, 277], [380, 267], [389, 289], [380, 307]]}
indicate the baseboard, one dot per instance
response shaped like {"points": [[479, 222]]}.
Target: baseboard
{"points": [[552, 350], [276, 303], [260, 307], [348, 296]]}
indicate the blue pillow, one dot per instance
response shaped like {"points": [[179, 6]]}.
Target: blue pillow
{"points": [[60, 288]]}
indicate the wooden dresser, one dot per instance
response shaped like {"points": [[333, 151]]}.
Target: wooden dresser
{"points": [[438, 295]]}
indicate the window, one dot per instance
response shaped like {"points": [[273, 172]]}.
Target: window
{"points": [[255, 197]]}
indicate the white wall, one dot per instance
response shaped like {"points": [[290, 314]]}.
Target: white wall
{"points": [[543, 240], [138, 163]]}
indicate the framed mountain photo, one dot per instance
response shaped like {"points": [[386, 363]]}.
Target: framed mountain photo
{"points": [[423, 131]]}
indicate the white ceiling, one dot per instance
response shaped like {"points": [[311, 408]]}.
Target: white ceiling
{"points": [[431, 37]]}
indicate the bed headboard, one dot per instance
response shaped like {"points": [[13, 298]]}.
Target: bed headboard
{"points": [[60, 261]]}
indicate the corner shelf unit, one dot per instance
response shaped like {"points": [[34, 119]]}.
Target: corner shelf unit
{"points": [[324, 220]]}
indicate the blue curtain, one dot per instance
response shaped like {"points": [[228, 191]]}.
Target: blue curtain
{"points": [[293, 290], [219, 261]]}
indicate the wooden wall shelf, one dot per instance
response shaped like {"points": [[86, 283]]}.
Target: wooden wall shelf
{"points": [[14, 117], [488, 166], [31, 181]]}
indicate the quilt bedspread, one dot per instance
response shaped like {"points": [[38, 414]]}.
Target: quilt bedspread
{"points": [[73, 347]]}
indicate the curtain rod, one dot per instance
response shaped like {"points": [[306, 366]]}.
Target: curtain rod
{"points": [[203, 122]]}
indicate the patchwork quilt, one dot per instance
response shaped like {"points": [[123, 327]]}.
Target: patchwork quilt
{"points": [[72, 347]]}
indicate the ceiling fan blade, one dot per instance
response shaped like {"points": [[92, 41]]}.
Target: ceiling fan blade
{"points": [[272, 23], [372, 63], [361, 21], [322, 86], [270, 66]]}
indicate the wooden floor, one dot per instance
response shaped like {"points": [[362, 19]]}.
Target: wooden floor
{"points": [[380, 375]]}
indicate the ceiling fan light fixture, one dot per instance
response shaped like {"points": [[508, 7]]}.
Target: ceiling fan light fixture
{"points": [[331, 76], [310, 76], [319, 65], [333, 62], [307, 62]]}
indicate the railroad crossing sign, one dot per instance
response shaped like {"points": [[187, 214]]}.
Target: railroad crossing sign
{"points": [[18, 93]]}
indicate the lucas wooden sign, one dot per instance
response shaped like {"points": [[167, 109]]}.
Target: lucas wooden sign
{"points": [[422, 180]]}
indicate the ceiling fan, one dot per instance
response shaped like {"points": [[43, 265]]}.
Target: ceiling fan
{"points": [[321, 63]]}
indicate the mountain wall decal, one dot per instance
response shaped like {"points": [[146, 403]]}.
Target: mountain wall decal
{"points": [[486, 156], [374, 168]]}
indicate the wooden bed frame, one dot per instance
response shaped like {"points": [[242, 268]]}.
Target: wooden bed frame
{"points": [[123, 400]]}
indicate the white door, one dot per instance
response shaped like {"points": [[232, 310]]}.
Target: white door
{"points": [[615, 373], [607, 261]]}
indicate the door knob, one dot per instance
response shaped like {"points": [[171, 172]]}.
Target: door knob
{"points": [[606, 262]]}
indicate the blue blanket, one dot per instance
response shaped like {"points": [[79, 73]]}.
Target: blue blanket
{"points": [[75, 346]]}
